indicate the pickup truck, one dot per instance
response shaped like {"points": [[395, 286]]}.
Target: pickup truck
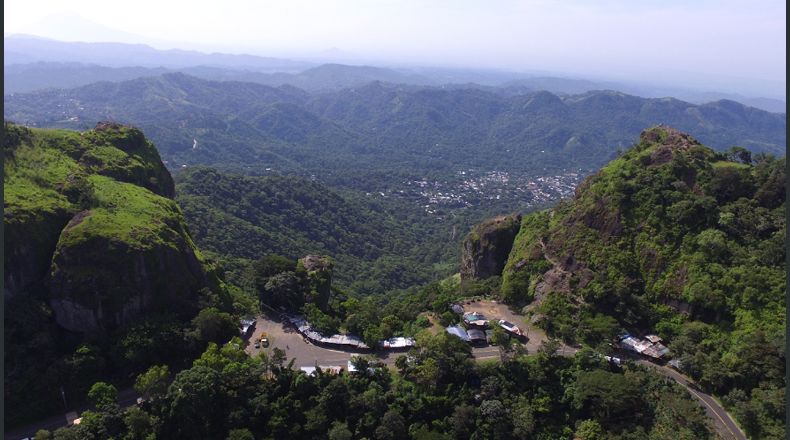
{"points": [[264, 340]]}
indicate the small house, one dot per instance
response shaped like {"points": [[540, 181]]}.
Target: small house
{"points": [[458, 331], [477, 337], [398, 343], [475, 320]]}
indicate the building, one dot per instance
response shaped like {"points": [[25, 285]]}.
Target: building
{"points": [[247, 326], [342, 341], [458, 331], [645, 347], [475, 320], [477, 337], [397, 343]]}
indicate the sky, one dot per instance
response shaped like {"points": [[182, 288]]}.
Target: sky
{"points": [[691, 42]]}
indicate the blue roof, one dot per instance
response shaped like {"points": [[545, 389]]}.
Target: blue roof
{"points": [[458, 331]]}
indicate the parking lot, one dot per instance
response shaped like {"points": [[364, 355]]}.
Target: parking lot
{"points": [[495, 310]]}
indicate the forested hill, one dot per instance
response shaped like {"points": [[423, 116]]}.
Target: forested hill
{"points": [[675, 238], [375, 248], [250, 127]]}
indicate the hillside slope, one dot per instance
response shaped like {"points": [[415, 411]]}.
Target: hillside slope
{"points": [[675, 238], [375, 248]]}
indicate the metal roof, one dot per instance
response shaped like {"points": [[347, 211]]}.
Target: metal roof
{"points": [[458, 331]]}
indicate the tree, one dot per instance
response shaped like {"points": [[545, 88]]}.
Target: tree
{"points": [[271, 265], [214, 326], [606, 395], [597, 328], [286, 289], [523, 418], [197, 404], [139, 424], [240, 434], [42, 434], [501, 339], [103, 395], [84, 366], [493, 420], [739, 154], [392, 427], [153, 383], [589, 430], [77, 432], [339, 431], [463, 421]]}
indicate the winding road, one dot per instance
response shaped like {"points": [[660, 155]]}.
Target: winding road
{"points": [[724, 424]]}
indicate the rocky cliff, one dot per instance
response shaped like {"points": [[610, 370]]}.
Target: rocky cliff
{"points": [[486, 248], [91, 227]]}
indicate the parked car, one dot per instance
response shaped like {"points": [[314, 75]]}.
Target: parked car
{"points": [[509, 326], [264, 340], [257, 344]]}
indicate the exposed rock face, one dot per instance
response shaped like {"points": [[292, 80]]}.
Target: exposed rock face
{"points": [[319, 271], [28, 247], [91, 228], [486, 248], [98, 285]]}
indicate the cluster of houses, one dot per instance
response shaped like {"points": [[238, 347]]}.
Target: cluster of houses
{"points": [[475, 327]]}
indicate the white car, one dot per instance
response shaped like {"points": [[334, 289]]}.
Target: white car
{"points": [[509, 326]]}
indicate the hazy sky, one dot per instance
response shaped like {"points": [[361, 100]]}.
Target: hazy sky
{"points": [[695, 41]]}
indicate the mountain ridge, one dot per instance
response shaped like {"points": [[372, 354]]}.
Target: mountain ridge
{"points": [[394, 122]]}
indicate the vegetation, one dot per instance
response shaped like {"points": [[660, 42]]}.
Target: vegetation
{"points": [[377, 247], [437, 392], [674, 238]]}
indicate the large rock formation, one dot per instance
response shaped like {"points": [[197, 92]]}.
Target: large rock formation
{"points": [[319, 272], [91, 227], [486, 248]]}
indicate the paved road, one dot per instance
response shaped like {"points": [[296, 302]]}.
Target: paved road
{"points": [[724, 424]]}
